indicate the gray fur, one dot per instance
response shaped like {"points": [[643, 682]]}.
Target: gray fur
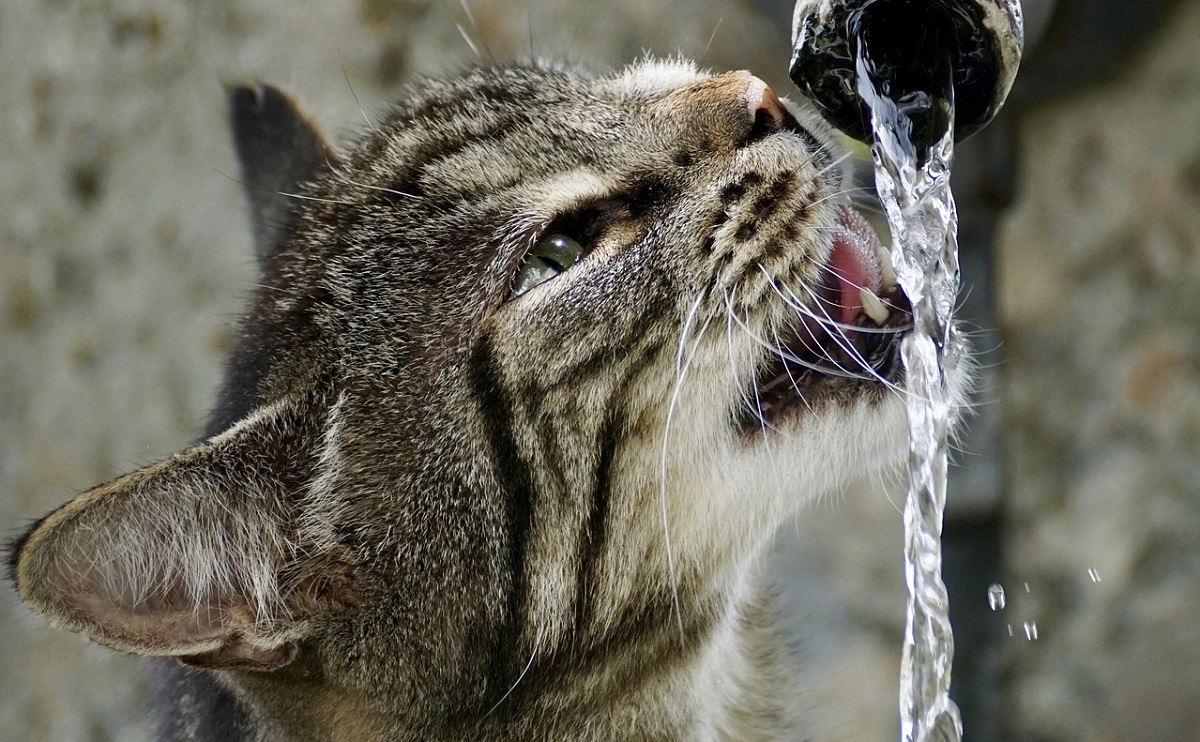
{"points": [[429, 510]]}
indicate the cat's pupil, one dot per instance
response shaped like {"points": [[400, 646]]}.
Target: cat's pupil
{"points": [[552, 255]]}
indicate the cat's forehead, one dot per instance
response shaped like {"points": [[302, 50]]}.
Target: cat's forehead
{"points": [[495, 127], [493, 96]]}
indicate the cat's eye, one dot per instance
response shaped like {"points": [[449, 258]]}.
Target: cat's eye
{"points": [[553, 254]]}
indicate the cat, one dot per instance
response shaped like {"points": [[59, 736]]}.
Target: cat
{"points": [[533, 372]]}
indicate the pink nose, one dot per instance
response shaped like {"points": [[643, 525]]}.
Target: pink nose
{"points": [[765, 108]]}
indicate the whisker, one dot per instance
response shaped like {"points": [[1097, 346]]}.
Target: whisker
{"points": [[369, 187], [524, 671], [834, 164], [302, 197], [467, 38], [708, 46], [828, 322], [480, 50], [529, 29], [825, 321], [467, 12], [772, 452], [683, 362], [845, 344], [792, 379], [831, 322], [354, 95], [744, 398], [807, 309], [783, 354]]}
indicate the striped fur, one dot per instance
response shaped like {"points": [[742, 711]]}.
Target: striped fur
{"points": [[431, 510]]}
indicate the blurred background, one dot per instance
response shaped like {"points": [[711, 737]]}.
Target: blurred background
{"points": [[125, 254]]}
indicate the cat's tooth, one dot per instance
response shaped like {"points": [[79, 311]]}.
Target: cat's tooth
{"points": [[873, 306], [887, 272]]}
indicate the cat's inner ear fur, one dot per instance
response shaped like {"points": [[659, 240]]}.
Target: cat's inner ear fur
{"points": [[279, 149], [192, 557]]}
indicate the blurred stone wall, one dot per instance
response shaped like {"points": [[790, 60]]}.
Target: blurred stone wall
{"points": [[1099, 274], [124, 254]]}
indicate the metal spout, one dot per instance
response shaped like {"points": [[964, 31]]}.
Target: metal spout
{"points": [[912, 43]]}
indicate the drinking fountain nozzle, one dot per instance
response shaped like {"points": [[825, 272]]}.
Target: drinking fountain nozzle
{"points": [[916, 47]]}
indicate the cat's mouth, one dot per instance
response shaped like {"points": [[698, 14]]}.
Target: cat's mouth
{"points": [[845, 337]]}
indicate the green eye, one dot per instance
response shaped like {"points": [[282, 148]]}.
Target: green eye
{"points": [[553, 254]]}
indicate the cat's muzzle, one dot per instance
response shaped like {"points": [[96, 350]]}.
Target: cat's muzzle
{"points": [[844, 339]]}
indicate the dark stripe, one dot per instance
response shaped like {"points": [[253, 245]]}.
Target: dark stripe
{"points": [[516, 488], [733, 192], [648, 193], [552, 438], [433, 156], [634, 337], [820, 151], [767, 203], [602, 359], [595, 531], [591, 541], [594, 537], [644, 643], [746, 231]]}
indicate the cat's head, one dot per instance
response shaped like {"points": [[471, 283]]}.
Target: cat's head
{"points": [[541, 360]]}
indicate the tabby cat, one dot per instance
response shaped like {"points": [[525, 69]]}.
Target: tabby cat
{"points": [[534, 371]]}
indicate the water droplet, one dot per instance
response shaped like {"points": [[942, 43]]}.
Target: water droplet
{"points": [[1093, 574], [1026, 587], [996, 596], [1030, 630], [1010, 631]]}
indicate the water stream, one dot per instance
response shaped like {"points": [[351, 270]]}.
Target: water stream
{"points": [[912, 149]]}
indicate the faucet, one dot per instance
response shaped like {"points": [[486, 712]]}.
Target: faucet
{"points": [[917, 48]]}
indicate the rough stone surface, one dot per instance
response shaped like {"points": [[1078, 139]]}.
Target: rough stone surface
{"points": [[124, 252]]}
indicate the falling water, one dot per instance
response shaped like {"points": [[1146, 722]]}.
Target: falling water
{"points": [[995, 595], [912, 153]]}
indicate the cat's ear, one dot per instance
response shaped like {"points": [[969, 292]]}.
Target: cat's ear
{"points": [[279, 149], [194, 557]]}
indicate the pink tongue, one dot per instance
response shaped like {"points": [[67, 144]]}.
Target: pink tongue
{"points": [[854, 263]]}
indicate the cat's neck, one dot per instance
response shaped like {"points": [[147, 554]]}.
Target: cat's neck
{"points": [[722, 679]]}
